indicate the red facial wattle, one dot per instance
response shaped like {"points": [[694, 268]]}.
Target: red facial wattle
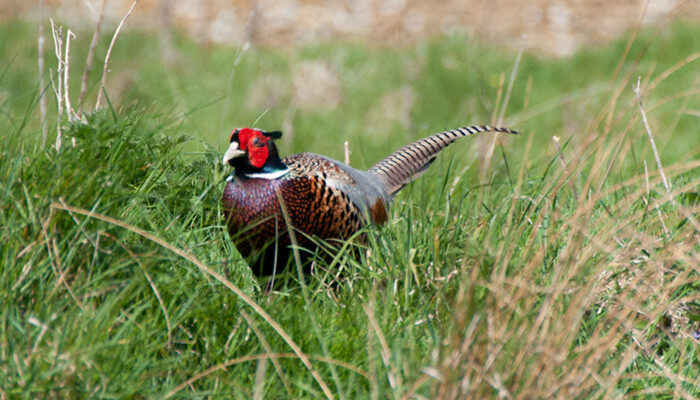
{"points": [[244, 135], [255, 142], [258, 156]]}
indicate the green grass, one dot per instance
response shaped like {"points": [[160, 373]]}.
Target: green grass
{"points": [[534, 280]]}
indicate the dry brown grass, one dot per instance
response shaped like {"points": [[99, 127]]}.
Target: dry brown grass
{"points": [[617, 276]]}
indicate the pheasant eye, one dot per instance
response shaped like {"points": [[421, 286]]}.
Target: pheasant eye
{"points": [[256, 142]]}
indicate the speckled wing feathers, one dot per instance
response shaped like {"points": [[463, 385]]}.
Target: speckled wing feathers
{"points": [[358, 187], [411, 161]]}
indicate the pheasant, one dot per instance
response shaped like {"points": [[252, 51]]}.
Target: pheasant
{"points": [[323, 198]]}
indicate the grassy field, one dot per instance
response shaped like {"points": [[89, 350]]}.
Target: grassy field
{"points": [[540, 269]]}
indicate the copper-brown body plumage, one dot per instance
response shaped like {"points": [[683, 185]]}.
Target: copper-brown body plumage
{"points": [[315, 208]]}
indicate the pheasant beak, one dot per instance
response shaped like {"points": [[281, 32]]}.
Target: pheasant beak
{"points": [[232, 152]]}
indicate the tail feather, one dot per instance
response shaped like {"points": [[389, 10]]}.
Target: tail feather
{"points": [[411, 161]]}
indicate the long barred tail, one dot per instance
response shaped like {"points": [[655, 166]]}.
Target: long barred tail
{"points": [[411, 161]]}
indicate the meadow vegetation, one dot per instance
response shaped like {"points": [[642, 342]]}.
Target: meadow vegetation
{"points": [[552, 264]]}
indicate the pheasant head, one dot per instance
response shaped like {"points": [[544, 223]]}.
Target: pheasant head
{"points": [[252, 153]]}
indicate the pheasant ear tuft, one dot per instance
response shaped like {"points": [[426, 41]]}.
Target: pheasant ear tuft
{"points": [[274, 135]]}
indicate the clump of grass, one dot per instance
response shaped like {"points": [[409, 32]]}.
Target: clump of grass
{"points": [[578, 309], [70, 275], [564, 271]]}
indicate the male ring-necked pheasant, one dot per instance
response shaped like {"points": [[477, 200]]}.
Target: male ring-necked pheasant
{"points": [[324, 198]]}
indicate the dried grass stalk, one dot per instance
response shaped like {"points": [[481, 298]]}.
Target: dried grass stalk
{"points": [[109, 53], [40, 50], [638, 94], [91, 57], [57, 34]]}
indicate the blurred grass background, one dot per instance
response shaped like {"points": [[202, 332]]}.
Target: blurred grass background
{"points": [[366, 95], [537, 281]]}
